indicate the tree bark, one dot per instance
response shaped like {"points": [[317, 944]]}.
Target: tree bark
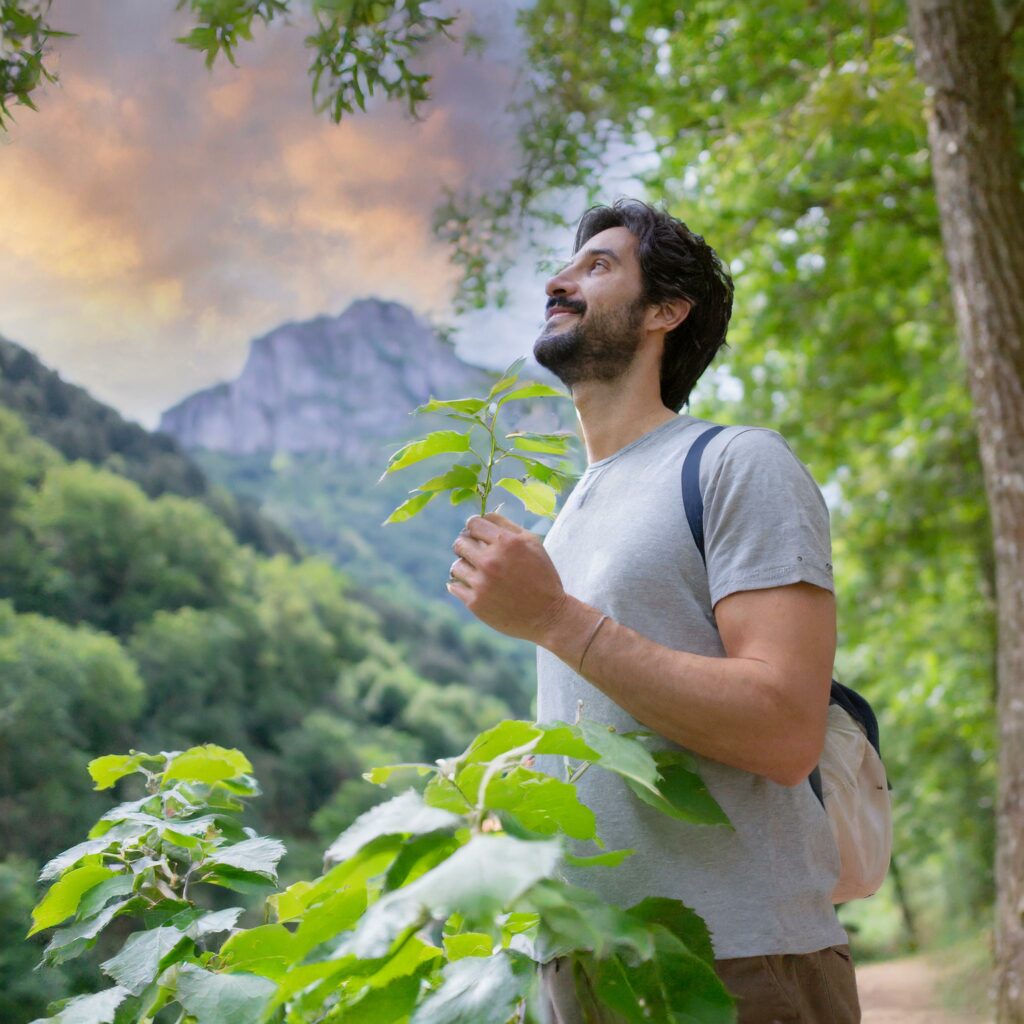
{"points": [[962, 58]]}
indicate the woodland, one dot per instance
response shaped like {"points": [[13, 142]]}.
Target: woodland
{"points": [[857, 162]]}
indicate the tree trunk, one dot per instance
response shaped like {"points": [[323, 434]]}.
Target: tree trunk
{"points": [[962, 57]]}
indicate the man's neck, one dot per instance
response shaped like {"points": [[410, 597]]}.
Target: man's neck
{"points": [[609, 431]]}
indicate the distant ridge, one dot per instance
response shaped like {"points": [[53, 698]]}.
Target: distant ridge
{"points": [[344, 385]]}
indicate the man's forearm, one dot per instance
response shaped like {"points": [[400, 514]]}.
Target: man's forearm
{"points": [[733, 710]]}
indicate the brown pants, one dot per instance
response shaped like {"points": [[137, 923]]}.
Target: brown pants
{"points": [[809, 988]]}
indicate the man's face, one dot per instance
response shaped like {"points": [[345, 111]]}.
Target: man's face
{"points": [[594, 311]]}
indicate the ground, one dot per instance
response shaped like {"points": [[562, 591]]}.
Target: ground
{"points": [[913, 990]]}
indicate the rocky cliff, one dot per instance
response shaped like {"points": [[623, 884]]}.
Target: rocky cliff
{"points": [[345, 385]]}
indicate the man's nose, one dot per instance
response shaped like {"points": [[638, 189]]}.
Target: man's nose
{"points": [[560, 285]]}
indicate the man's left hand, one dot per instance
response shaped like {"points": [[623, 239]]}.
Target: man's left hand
{"points": [[506, 578]]}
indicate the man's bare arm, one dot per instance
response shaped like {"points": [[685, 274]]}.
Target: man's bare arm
{"points": [[762, 708]]}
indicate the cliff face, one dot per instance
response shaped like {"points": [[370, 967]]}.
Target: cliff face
{"points": [[343, 384]]}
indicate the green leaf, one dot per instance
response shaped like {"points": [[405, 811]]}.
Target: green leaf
{"points": [[404, 815], [259, 855], [619, 754], [250, 883], [71, 857], [684, 923], [383, 773], [143, 956], [62, 899], [533, 391], [465, 944], [67, 943], [410, 507], [223, 998], [565, 740], [478, 990], [392, 1003], [551, 444], [475, 881], [457, 476], [499, 739], [267, 950], [208, 763], [541, 803], [437, 443], [105, 771], [507, 379], [95, 1009], [537, 497], [461, 494], [611, 859], [329, 918], [681, 792], [464, 405]]}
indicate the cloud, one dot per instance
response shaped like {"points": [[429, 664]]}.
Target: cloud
{"points": [[158, 216]]}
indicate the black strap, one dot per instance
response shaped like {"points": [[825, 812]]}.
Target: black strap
{"points": [[693, 503], [693, 500]]}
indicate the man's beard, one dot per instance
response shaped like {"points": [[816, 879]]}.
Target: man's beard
{"points": [[598, 346]]}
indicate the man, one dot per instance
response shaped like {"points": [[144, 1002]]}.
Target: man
{"points": [[731, 661]]}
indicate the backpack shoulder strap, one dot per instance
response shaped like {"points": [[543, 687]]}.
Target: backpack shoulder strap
{"points": [[693, 500]]}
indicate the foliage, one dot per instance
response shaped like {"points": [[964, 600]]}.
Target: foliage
{"points": [[24, 36], [435, 906], [537, 488]]}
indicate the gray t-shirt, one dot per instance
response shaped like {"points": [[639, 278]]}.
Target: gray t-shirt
{"points": [[622, 544]]}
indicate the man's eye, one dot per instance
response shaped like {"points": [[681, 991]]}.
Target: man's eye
{"points": [[601, 263]]}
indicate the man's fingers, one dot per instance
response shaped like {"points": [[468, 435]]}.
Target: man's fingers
{"points": [[497, 517]]}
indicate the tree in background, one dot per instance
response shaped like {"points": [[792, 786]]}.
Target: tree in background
{"points": [[964, 53]]}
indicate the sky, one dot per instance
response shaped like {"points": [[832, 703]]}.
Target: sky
{"points": [[158, 216]]}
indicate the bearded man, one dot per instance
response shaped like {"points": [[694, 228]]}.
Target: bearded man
{"points": [[730, 659]]}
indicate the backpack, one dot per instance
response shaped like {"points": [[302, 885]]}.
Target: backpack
{"points": [[849, 780]]}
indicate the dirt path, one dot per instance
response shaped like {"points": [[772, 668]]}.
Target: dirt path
{"points": [[907, 992]]}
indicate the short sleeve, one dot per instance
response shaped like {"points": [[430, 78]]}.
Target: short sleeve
{"points": [[766, 523]]}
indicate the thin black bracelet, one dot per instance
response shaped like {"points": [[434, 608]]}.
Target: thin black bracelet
{"points": [[593, 633]]}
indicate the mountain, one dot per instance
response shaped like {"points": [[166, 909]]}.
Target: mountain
{"points": [[81, 427], [344, 385]]}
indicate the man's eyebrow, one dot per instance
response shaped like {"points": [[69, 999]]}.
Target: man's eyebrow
{"points": [[591, 253]]}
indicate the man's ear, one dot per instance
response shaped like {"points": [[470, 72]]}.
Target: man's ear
{"points": [[669, 314]]}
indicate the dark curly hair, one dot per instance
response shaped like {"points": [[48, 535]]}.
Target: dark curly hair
{"points": [[674, 264]]}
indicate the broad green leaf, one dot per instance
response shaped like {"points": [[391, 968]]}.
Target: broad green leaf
{"points": [[478, 880], [566, 740], [383, 774], [461, 494], [214, 922], [223, 998], [267, 950], [464, 405], [404, 815], [457, 476], [685, 924], [550, 444], [439, 442], [71, 857], [67, 943], [507, 379], [410, 507], [681, 792], [250, 883], [499, 739], [611, 859], [626, 757], [419, 855], [62, 899], [535, 390], [537, 497], [142, 957], [541, 803], [95, 1009], [468, 944], [259, 855], [208, 763], [408, 959], [105, 771], [329, 918], [392, 1003], [572, 918], [683, 983], [477, 990]]}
